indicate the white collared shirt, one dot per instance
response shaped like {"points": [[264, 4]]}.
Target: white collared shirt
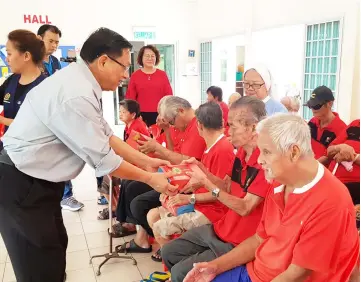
{"points": [[60, 127]]}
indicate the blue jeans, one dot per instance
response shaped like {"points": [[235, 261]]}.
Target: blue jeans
{"points": [[238, 274], [99, 181], [68, 191]]}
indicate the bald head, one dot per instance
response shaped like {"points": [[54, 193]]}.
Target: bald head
{"points": [[234, 97], [292, 104]]}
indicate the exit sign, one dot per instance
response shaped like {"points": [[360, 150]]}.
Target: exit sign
{"points": [[144, 35]]}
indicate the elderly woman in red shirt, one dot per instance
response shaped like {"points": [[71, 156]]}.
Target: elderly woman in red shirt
{"points": [[148, 85]]}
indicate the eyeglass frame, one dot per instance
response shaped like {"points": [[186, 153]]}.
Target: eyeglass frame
{"points": [[126, 69], [252, 85]]}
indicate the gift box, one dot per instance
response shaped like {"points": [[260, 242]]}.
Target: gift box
{"points": [[181, 178]]}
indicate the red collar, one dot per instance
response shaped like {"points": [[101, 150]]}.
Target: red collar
{"points": [[253, 160], [337, 117]]}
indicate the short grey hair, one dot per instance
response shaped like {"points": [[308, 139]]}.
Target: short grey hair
{"points": [[170, 106], [256, 108], [287, 130], [161, 101]]}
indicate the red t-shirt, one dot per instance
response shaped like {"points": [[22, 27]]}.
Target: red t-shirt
{"points": [[225, 110], [137, 125], [148, 89], [191, 144], [323, 137], [218, 159], [234, 228], [315, 230], [175, 135], [351, 137]]}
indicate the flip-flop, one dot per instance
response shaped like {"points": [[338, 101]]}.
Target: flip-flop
{"points": [[133, 248], [159, 276], [119, 231], [157, 257]]}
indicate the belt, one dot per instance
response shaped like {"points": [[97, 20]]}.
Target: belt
{"points": [[5, 159]]}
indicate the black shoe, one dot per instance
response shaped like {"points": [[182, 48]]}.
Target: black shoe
{"points": [[64, 276]]}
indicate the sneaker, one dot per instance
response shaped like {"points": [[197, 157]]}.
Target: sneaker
{"points": [[71, 204]]}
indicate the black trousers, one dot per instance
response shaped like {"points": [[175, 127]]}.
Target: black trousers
{"points": [[141, 205], [149, 118], [354, 189], [129, 190], [31, 226]]}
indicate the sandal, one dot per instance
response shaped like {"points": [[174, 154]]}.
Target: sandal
{"points": [[119, 231], [157, 257], [104, 214], [102, 201], [133, 248], [158, 276]]}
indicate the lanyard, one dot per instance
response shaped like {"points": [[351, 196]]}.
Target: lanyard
{"points": [[49, 66]]}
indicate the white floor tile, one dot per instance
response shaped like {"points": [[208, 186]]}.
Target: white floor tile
{"points": [[74, 228], [9, 275], [123, 271], [81, 275], [95, 226], [146, 266], [3, 255], [2, 268], [70, 217], [2, 245], [78, 260], [77, 243], [101, 239]]}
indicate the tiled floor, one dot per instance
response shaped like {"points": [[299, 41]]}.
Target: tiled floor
{"points": [[88, 236]]}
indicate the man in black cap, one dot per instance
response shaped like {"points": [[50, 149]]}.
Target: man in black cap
{"points": [[325, 124]]}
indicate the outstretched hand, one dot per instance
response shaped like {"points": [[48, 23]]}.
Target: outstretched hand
{"points": [[160, 183], [201, 272]]}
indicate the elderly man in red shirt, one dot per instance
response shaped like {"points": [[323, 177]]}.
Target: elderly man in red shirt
{"points": [[303, 234]]}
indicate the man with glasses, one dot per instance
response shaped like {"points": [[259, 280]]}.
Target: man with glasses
{"points": [[50, 34], [59, 128], [325, 125]]}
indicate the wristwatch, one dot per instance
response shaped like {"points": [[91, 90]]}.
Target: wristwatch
{"points": [[192, 200], [215, 192]]}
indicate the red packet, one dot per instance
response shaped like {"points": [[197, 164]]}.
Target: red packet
{"points": [[134, 136], [181, 178]]}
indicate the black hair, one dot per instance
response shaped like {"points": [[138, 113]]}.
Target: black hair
{"points": [[48, 27], [131, 106], [104, 41], [27, 41], [210, 115], [216, 92], [141, 54]]}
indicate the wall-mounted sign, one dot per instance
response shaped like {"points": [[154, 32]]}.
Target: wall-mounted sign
{"points": [[144, 33], [191, 53], [36, 19]]}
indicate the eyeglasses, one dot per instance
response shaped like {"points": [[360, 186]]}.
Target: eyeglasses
{"points": [[172, 122], [316, 107], [149, 56], [126, 69], [255, 86]]}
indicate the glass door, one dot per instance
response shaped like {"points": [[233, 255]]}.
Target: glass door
{"points": [[167, 61]]}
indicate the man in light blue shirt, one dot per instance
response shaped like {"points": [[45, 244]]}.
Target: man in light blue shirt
{"points": [[59, 128], [257, 82]]}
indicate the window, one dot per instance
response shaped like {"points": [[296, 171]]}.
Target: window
{"points": [[206, 69], [321, 59]]}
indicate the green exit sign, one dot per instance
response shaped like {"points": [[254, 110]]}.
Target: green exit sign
{"points": [[144, 35]]}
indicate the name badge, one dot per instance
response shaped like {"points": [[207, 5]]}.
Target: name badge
{"points": [[7, 98]]}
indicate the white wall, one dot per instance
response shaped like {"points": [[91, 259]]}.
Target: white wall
{"points": [[230, 17]]}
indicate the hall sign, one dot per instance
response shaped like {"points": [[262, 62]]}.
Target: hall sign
{"points": [[36, 19]]}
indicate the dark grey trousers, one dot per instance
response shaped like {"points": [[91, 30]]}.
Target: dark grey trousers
{"points": [[200, 244]]}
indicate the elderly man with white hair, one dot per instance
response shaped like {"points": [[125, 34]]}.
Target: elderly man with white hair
{"points": [[307, 231], [258, 83]]}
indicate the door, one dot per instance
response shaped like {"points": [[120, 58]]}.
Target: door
{"points": [[167, 61]]}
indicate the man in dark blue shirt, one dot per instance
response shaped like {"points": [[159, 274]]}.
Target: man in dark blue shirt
{"points": [[50, 34]]}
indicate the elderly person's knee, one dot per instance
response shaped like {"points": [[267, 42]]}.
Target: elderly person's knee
{"points": [[153, 216]]}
